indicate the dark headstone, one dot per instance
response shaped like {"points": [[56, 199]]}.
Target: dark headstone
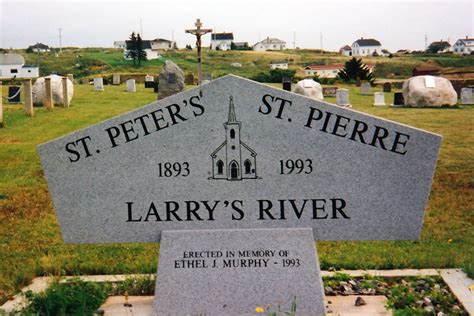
{"points": [[149, 81], [329, 91], [387, 87], [14, 94], [358, 83], [189, 79], [398, 99], [286, 82], [155, 86]]}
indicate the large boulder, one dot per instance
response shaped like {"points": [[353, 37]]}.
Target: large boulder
{"points": [[39, 90], [310, 89], [170, 80], [426, 91]]}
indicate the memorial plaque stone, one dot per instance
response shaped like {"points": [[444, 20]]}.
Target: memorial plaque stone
{"points": [[149, 81], [329, 91], [118, 181]]}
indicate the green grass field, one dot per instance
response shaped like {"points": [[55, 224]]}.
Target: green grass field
{"points": [[30, 239]]}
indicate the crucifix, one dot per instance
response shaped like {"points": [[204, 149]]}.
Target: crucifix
{"points": [[198, 31]]}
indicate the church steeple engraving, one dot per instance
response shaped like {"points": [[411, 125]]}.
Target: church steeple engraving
{"points": [[233, 160]]}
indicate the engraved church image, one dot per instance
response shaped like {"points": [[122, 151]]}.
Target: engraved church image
{"points": [[233, 160]]}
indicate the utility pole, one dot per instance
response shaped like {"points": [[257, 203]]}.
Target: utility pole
{"points": [[321, 41], [198, 32], [294, 39], [141, 28], [426, 42], [60, 40]]}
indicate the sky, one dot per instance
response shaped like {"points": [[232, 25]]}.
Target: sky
{"points": [[400, 24]]}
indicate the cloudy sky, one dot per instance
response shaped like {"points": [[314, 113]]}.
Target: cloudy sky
{"points": [[86, 23]]}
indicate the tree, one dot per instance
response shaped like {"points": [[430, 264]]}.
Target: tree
{"points": [[354, 70], [131, 47], [141, 54], [437, 46]]}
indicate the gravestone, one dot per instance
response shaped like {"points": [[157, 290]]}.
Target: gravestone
{"points": [[70, 77], [309, 88], [398, 99], [286, 83], [358, 82], [84, 81], [207, 76], [365, 88], [189, 79], [379, 99], [98, 84], [115, 79], [170, 79], [149, 81], [356, 177], [466, 96], [387, 87], [342, 98], [329, 91], [14, 94], [131, 87]]}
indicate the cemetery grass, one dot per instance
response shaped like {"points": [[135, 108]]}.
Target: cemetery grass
{"points": [[31, 244]]}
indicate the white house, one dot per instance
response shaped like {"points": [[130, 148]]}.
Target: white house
{"points": [[366, 47], [346, 50], [279, 64], [270, 44], [39, 48], [328, 71], [162, 44], [444, 45], [119, 44], [13, 66], [464, 46], [221, 41], [150, 53]]}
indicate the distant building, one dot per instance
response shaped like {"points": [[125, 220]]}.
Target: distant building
{"points": [[345, 50], [150, 53], [464, 46], [443, 46], [328, 71], [366, 47], [426, 70], [386, 52], [13, 66], [270, 44], [119, 44], [403, 51], [241, 45], [162, 44], [39, 48], [279, 65], [221, 41]]}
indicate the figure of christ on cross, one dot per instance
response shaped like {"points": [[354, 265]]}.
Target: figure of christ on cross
{"points": [[198, 32]]}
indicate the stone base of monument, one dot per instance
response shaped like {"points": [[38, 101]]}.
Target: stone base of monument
{"points": [[336, 306], [231, 272]]}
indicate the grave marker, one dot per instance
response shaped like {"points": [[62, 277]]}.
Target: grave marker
{"points": [[329, 91], [387, 87], [342, 98], [398, 100], [379, 99], [239, 157], [149, 81], [98, 84], [131, 87], [365, 88], [116, 79], [466, 96]]}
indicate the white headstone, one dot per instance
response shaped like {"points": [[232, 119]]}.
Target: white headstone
{"points": [[365, 88], [98, 84], [379, 99], [131, 87], [466, 96], [116, 79], [342, 97]]}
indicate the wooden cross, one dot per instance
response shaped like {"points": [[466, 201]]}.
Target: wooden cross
{"points": [[198, 32]]}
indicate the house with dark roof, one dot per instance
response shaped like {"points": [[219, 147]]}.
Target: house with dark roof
{"points": [[221, 41], [279, 64], [464, 46], [13, 66], [345, 50], [146, 45], [39, 48], [440, 47], [366, 47]]}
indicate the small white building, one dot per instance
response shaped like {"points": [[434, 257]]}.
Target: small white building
{"points": [[13, 66], [39, 48], [221, 41], [146, 45], [270, 44], [345, 50], [119, 44], [328, 71], [282, 64], [162, 44], [464, 46], [366, 47]]}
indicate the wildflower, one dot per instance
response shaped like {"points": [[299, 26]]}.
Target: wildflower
{"points": [[259, 309], [450, 240], [267, 306], [471, 288]]}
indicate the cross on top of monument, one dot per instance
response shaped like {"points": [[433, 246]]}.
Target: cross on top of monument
{"points": [[198, 30]]}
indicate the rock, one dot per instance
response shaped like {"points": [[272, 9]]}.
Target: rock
{"points": [[427, 301], [170, 80], [236, 65], [310, 89], [39, 90], [424, 91], [428, 309], [440, 314], [328, 291], [360, 301]]}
